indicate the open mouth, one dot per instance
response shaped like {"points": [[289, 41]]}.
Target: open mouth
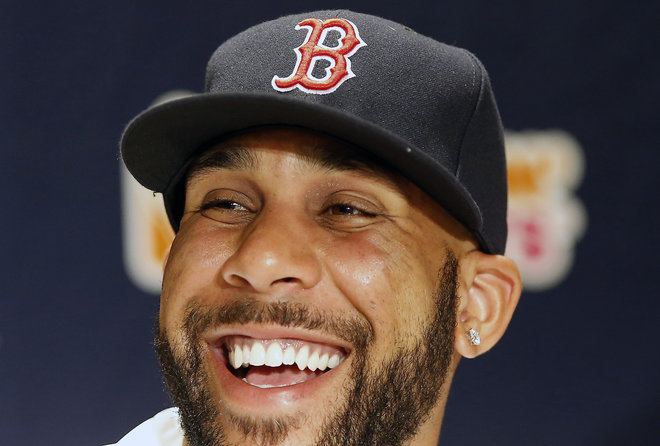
{"points": [[272, 363]]}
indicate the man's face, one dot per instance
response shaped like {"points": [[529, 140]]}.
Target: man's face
{"points": [[336, 280]]}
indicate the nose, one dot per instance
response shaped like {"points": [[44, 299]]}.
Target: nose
{"points": [[276, 252]]}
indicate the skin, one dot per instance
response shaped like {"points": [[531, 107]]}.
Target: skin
{"points": [[358, 244]]}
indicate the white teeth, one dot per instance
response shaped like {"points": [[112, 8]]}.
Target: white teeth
{"points": [[246, 356], [258, 354], [333, 361], [266, 386], [271, 353], [274, 355], [313, 361], [302, 356], [323, 362], [236, 357], [289, 356], [263, 386]]}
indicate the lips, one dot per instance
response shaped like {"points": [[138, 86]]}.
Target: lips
{"points": [[278, 362]]}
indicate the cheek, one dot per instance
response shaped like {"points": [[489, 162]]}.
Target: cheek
{"points": [[192, 269], [382, 277]]}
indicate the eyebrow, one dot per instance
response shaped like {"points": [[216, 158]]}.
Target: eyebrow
{"points": [[329, 157], [233, 157]]}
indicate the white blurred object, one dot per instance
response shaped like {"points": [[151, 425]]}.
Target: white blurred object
{"points": [[545, 217]]}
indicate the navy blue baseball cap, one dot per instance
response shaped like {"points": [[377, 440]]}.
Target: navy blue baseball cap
{"points": [[420, 107]]}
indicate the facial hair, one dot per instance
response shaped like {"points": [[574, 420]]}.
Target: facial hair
{"points": [[385, 406]]}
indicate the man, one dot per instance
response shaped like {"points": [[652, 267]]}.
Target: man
{"points": [[339, 198]]}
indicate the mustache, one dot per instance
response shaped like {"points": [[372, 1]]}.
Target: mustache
{"points": [[244, 310]]}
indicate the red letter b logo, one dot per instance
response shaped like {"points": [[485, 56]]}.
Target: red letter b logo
{"points": [[312, 50]]}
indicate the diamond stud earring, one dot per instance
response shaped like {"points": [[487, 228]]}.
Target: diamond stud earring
{"points": [[473, 336]]}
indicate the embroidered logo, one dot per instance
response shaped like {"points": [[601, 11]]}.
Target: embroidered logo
{"points": [[313, 54]]}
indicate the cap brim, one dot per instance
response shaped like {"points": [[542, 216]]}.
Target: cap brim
{"points": [[159, 142]]}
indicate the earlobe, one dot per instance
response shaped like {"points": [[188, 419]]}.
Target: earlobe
{"points": [[492, 290]]}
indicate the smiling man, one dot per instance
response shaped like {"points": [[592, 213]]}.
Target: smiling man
{"points": [[339, 198]]}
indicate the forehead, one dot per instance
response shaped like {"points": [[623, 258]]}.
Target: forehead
{"points": [[308, 150]]}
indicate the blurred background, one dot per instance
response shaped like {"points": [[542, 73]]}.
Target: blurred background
{"points": [[579, 364]]}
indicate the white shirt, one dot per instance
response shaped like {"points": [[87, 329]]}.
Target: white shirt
{"points": [[161, 430]]}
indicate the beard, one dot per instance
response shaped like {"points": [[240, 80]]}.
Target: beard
{"points": [[385, 406]]}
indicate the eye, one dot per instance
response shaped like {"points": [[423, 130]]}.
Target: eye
{"points": [[222, 204], [225, 206], [348, 210]]}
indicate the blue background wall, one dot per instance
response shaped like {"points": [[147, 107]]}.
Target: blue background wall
{"points": [[580, 363]]}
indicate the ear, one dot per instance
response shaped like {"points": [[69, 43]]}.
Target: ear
{"points": [[491, 290]]}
